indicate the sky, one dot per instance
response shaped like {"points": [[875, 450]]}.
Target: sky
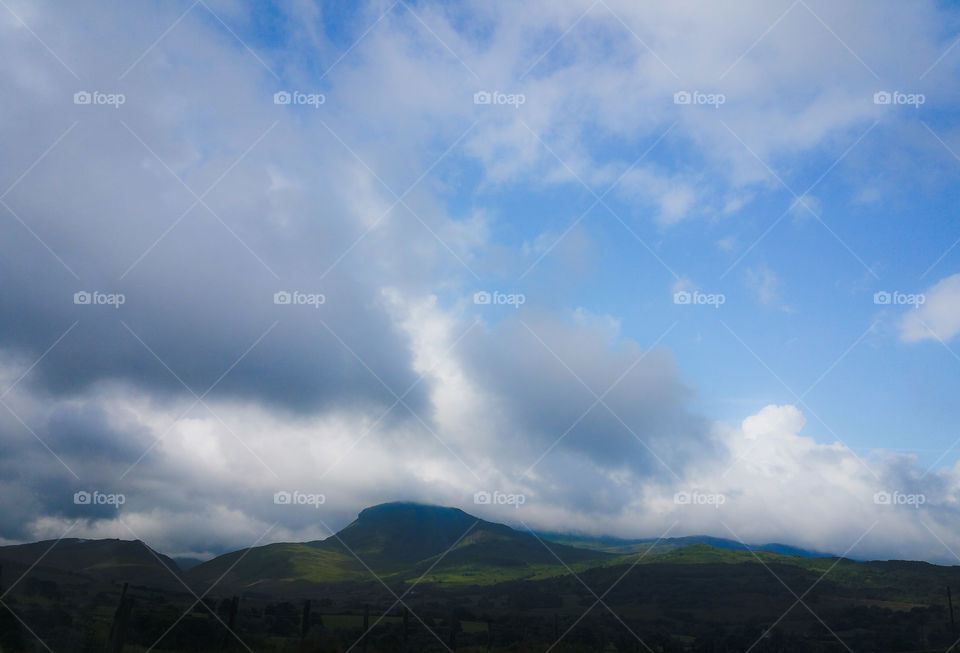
{"points": [[635, 269]]}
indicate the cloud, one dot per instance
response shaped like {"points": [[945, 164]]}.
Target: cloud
{"points": [[778, 481], [727, 243], [777, 484], [805, 208], [395, 199], [938, 318], [674, 198], [765, 284]]}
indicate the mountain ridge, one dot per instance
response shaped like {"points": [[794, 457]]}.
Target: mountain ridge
{"points": [[108, 559], [395, 541]]}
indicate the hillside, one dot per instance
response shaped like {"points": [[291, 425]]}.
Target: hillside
{"points": [[107, 559]]}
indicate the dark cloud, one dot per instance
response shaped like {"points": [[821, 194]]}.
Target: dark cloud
{"points": [[280, 218], [606, 399]]}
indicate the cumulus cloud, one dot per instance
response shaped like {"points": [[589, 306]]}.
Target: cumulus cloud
{"points": [[775, 480], [938, 318]]}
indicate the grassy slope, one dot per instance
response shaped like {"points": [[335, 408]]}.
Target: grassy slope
{"points": [[277, 562], [912, 582]]}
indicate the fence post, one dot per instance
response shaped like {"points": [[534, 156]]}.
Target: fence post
{"points": [[953, 627], [366, 624], [453, 630], [118, 628], [231, 619]]}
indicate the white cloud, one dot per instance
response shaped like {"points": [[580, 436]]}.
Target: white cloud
{"points": [[682, 284], [764, 283], [727, 243], [938, 318], [806, 207]]}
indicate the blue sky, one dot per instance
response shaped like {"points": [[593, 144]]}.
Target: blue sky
{"points": [[584, 186]]}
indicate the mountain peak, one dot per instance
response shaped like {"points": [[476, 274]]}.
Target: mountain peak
{"points": [[395, 509], [407, 531]]}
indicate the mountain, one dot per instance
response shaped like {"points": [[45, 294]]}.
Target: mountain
{"points": [[502, 595], [397, 541], [107, 559], [400, 534]]}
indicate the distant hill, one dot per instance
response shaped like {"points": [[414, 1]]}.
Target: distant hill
{"points": [[187, 563], [654, 545], [108, 559]]}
